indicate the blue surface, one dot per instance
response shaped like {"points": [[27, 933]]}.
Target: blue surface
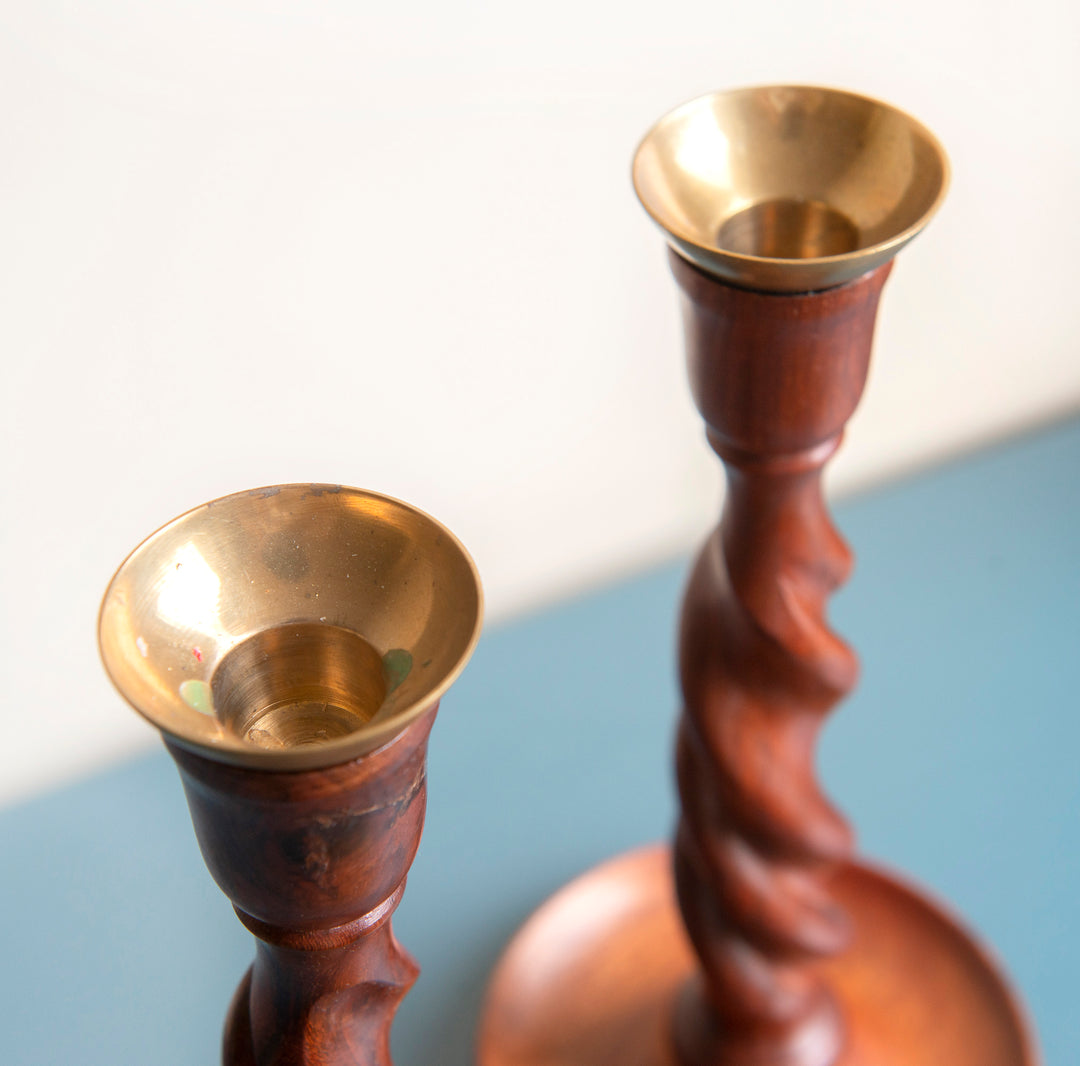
{"points": [[957, 759]]}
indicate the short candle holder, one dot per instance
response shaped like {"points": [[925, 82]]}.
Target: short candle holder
{"points": [[292, 644], [758, 940]]}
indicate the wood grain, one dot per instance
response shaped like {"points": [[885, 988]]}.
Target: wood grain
{"points": [[775, 378], [315, 863]]}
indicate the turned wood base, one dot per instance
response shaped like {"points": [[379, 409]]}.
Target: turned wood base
{"points": [[593, 978]]}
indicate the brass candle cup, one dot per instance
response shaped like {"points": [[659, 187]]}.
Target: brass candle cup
{"points": [[789, 188], [292, 645]]}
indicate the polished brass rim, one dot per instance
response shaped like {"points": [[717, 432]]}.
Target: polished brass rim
{"points": [[789, 188], [291, 627]]}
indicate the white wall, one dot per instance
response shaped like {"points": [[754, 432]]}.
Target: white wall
{"points": [[396, 246]]}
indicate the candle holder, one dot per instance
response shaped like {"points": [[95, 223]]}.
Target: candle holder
{"points": [[292, 644], [757, 940]]}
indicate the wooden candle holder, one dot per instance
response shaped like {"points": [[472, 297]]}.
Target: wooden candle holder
{"points": [[757, 940], [314, 863], [292, 645], [757, 843]]}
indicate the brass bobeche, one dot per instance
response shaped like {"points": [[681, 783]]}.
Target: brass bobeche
{"points": [[789, 188], [290, 627]]}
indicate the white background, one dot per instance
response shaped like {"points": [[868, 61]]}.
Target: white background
{"points": [[397, 247]]}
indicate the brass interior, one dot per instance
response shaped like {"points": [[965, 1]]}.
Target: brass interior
{"points": [[290, 627], [298, 684], [788, 229], [789, 188]]}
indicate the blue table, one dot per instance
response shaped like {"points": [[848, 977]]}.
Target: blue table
{"points": [[956, 759]]}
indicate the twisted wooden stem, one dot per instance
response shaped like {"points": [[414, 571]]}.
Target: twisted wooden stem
{"points": [[776, 377], [315, 863], [320, 998]]}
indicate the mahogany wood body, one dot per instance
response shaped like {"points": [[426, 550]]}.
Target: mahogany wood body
{"points": [[775, 377], [782, 951], [315, 863]]}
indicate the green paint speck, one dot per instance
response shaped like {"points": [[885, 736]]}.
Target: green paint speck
{"points": [[396, 664], [196, 694]]}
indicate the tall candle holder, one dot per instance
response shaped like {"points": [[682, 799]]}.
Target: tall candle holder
{"points": [[292, 645], [758, 940]]}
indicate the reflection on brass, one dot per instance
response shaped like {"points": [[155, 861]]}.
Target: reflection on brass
{"points": [[789, 188], [291, 627]]}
